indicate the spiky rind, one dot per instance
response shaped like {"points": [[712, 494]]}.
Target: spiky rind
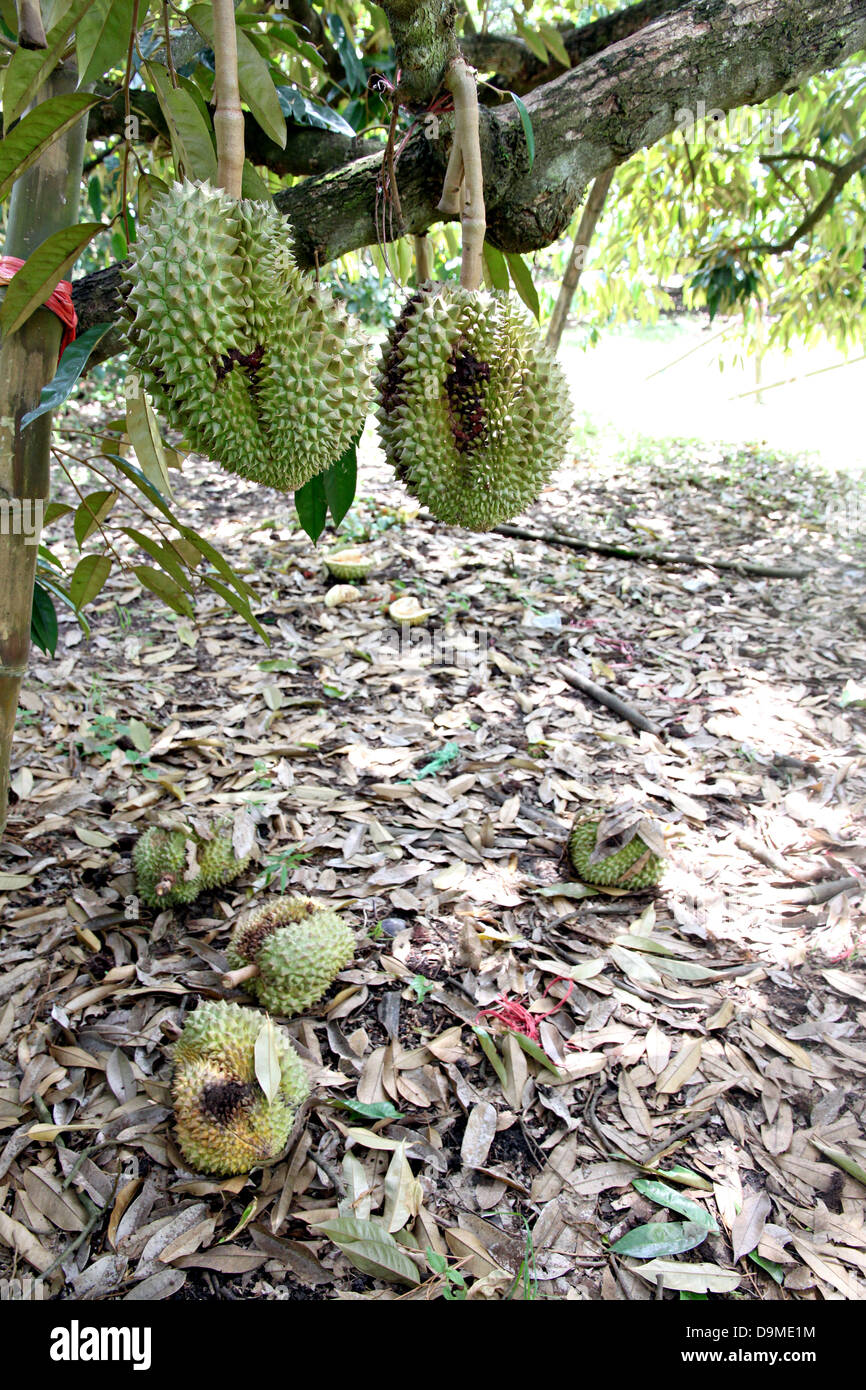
{"points": [[299, 947], [260, 368], [174, 867], [225, 1123], [634, 866], [474, 413]]}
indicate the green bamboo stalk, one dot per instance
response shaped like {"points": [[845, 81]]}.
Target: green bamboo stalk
{"points": [[43, 201]]}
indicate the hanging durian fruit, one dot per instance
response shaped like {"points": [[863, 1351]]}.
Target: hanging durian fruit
{"points": [[225, 1122], [176, 865], [474, 414], [288, 952], [259, 368]]}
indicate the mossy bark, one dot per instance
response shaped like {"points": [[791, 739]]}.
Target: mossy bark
{"points": [[425, 40], [44, 200]]}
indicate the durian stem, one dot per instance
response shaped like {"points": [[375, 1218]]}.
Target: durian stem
{"points": [[233, 978], [461, 83], [450, 200], [423, 266], [229, 118]]}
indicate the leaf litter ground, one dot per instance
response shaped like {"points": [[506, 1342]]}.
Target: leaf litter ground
{"points": [[685, 1111]]}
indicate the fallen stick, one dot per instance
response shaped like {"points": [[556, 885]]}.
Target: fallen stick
{"points": [[612, 702], [823, 892], [654, 557]]}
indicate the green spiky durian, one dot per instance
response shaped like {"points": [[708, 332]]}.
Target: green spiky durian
{"points": [[474, 413], [176, 866], [225, 1122], [260, 369], [634, 866], [299, 947]]}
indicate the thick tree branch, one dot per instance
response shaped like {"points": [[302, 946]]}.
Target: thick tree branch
{"points": [[307, 150], [517, 69], [726, 53]]}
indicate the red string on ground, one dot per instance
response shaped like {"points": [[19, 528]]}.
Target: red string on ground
{"points": [[514, 1015]]}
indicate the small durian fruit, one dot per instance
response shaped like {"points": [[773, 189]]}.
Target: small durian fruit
{"points": [[225, 1122], [217, 859], [167, 873], [618, 857], [474, 412], [288, 952], [351, 563], [261, 370], [175, 866]]}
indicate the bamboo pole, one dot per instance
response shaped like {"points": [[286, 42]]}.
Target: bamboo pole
{"points": [[228, 120], [43, 201]]}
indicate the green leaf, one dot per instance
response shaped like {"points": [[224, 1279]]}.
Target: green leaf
{"points": [[192, 141], [43, 620], [53, 511], [220, 565], [340, 481], [72, 364], [842, 1160], [669, 1197], [774, 1270], [527, 126], [41, 273], [37, 131], [533, 1050], [102, 37], [162, 554], [311, 504], [687, 1177], [553, 39], [153, 494], [240, 606], [522, 277], [29, 67], [488, 1047], [498, 267], [295, 105], [88, 578], [142, 428], [378, 1110], [254, 78], [660, 1238], [371, 1249], [532, 40], [356, 73], [94, 507], [164, 588]]}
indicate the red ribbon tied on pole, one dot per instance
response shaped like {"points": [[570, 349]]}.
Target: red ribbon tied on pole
{"points": [[60, 302]]}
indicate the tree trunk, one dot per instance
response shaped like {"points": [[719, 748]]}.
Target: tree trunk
{"points": [[44, 200], [573, 271]]}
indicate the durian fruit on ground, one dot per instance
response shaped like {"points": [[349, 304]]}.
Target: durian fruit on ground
{"points": [[262, 371], [474, 413], [299, 947], [224, 1121], [633, 867], [175, 866]]}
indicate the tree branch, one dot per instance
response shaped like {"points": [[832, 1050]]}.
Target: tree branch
{"points": [[843, 173], [517, 69]]}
